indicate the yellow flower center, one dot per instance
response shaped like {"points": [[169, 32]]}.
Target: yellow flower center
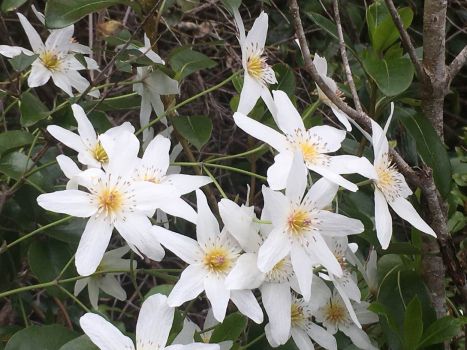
{"points": [[299, 221], [335, 313], [99, 154], [50, 60], [385, 177], [109, 201], [217, 260], [255, 65], [309, 151], [297, 315]]}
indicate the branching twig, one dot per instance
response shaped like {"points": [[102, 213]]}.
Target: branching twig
{"points": [[455, 66]]}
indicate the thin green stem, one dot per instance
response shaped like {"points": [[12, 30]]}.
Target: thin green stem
{"points": [[254, 341], [238, 155], [215, 182], [237, 170], [77, 301]]}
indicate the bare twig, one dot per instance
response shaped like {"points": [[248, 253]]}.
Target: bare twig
{"points": [[405, 38], [345, 60], [456, 65]]}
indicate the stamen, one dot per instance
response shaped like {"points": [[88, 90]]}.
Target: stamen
{"points": [[50, 60], [217, 260], [335, 313], [99, 154], [110, 201], [299, 221]]}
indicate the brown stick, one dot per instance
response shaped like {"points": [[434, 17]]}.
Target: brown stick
{"points": [[455, 66]]}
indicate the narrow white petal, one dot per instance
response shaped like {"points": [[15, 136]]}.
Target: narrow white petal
{"points": [[67, 165], [273, 250], [358, 337], [383, 220], [218, 295], [245, 274], [322, 337], [276, 206], [321, 194], [124, 155], [320, 249], [277, 301], [251, 91], [207, 227], [258, 32], [269, 336], [320, 292], [66, 137], [303, 269], [279, 172], [179, 208], [342, 117], [301, 339], [39, 75], [85, 128], [338, 225], [12, 51], [321, 65], [110, 285], [156, 155], [71, 202], [194, 346], [62, 81], [92, 246], [379, 141], [187, 183], [247, 304], [154, 323], [406, 211], [297, 180], [104, 334], [268, 100], [188, 287], [336, 178], [288, 118], [60, 38], [186, 335], [34, 39], [330, 138], [346, 164]]}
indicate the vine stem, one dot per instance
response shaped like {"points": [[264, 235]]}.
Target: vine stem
{"points": [[220, 166]]}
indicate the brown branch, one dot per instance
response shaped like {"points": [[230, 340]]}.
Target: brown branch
{"points": [[455, 66], [345, 60], [405, 39]]}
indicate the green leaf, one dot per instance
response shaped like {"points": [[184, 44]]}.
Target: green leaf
{"points": [[50, 337], [413, 325], [80, 343], [10, 5], [164, 289], [22, 61], [328, 26], [440, 331], [32, 109], [61, 13], [429, 146], [285, 79], [186, 61], [14, 139], [230, 329], [15, 164], [393, 76], [196, 129], [232, 4]]}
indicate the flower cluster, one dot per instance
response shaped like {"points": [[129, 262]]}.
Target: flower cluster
{"points": [[296, 254]]}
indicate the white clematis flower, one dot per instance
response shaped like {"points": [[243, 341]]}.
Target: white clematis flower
{"points": [[390, 188], [113, 199], [152, 329], [314, 145], [87, 143], [322, 67], [55, 59], [299, 223], [210, 260], [334, 315], [109, 283], [257, 73]]}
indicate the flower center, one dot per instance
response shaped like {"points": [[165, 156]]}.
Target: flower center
{"points": [[297, 315], [309, 151], [255, 66], [99, 154], [389, 180], [335, 313], [299, 221], [110, 201], [50, 60], [217, 260]]}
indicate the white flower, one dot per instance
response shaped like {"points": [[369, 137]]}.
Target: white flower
{"points": [[257, 73], [334, 315], [303, 330], [314, 145], [154, 83], [55, 59], [87, 143], [210, 260], [299, 223], [109, 283], [113, 199], [152, 329], [322, 67], [390, 188]]}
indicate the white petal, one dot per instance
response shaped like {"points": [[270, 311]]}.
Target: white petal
{"points": [[406, 211], [342, 117], [322, 337], [66, 164], [277, 301], [60, 38], [207, 227], [184, 247], [92, 246], [125, 153], [346, 164], [379, 141], [276, 206], [194, 346], [321, 194], [358, 337], [245, 274], [273, 250], [187, 183], [104, 334], [383, 220], [85, 129], [301, 339], [321, 65], [258, 32], [268, 100], [154, 323], [188, 287], [66, 137], [269, 336], [297, 180], [279, 172], [149, 196], [71, 202], [338, 225], [80, 285], [179, 208], [287, 115], [247, 304], [251, 91], [62, 81], [186, 335], [260, 131], [303, 269], [110, 285], [320, 292], [328, 138], [218, 295], [332, 176], [39, 75], [12, 51], [320, 249], [80, 83], [345, 299], [33, 37], [156, 155]]}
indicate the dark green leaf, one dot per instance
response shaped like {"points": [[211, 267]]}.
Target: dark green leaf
{"points": [[10, 5], [14, 139], [32, 109], [230, 329], [429, 147], [164, 289], [50, 337], [61, 13], [186, 61], [80, 343], [196, 129], [16, 164], [440, 331], [285, 79], [413, 325], [232, 4], [22, 61]]}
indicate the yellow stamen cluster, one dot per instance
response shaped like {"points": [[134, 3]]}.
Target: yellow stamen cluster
{"points": [[255, 66], [335, 313], [99, 154], [297, 315], [217, 260], [109, 201], [299, 221], [50, 60], [309, 151]]}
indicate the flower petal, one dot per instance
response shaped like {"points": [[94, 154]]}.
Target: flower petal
{"points": [[383, 220], [328, 138], [303, 269], [297, 180], [187, 183], [301, 339], [358, 337], [379, 141], [346, 164], [322, 252], [245, 274], [321, 336], [277, 302], [188, 287], [207, 227], [406, 211], [110, 285], [156, 155], [12, 51], [39, 75], [218, 295], [321, 65], [258, 32], [85, 128], [34, 39], [247, 304], [276, 206], [60, 38], [71, 202], [279, 172], [273, 250], [342, 117], [338, 225], [332, 176], [62, 81], [184, 247], [251, 91], [67, 137], [288, 118], [321, 194], [66, 164], [123, 155]]}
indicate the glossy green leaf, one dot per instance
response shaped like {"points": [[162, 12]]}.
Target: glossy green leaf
{"points": [[14, 139], [10, 5], [393, 76], [32, 109], [61, 13], [80, 343], [429, 147], [186, 61], [196, 129], [50, 337], [230, 329], [16, 164], [440, 331], [22, 61], [413, 325]]}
